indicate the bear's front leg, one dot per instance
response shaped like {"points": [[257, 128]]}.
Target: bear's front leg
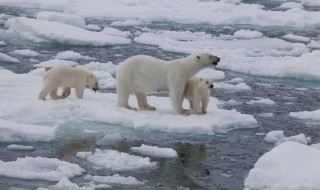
{"points": [[205, 103], [79, 91], [197, 106], [176, 97]]}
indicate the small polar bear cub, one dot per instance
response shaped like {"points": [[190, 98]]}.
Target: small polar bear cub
{"points": [[197, 91], [67, 77]]}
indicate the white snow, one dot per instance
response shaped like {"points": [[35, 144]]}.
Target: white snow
{"points": [[278, 137], [19, 147], [7, 58], [25, 52], [55, 62], [65, 184], [93, 27], [296, 38], [115, 32], [155, 151], [235, 87], [314, 44], [211, 74], [40, 30], [236, 80], [310, 3], [69, 19], [71, 55], [127, 23], [116, 161], [39, 168], [247, 34], [306, 115], [291, 5], [114, 179], [262, 101], [19, 132], [289, 166], [317, 146]]}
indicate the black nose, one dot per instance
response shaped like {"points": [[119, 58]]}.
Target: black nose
{"points": [[218, 59], [211, 86]]}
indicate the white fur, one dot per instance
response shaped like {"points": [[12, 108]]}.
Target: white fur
{"points": [[198, 94], [141, 74], [67, 77]]}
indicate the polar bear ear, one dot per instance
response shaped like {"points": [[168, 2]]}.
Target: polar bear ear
{"points": [[198, 57]]}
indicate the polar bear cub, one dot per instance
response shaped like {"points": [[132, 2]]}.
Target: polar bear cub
{"points": [[197, 91], [141, 74], [67, 77]]}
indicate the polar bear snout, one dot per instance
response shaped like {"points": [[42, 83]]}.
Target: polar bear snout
{"points": [[211, 86], [216, 61]]}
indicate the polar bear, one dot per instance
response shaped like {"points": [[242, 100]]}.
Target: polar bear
{"points": [[141, 74], [197, 91], [67, 77]]}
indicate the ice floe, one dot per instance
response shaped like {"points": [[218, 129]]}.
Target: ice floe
{"points": [[2, 43], [288, 166], [25, 52], [93, 27], [40, 30], [55, 62], [236, 87], [278, 137], [306, 115], [155, 151], [114, 179], [116, 161], [69, 19], [296, 38], [19, 147], [127, 23], [262, 101], [291, 5], [211, 73], [71, 55], [39, 168], [7, 58], [247, 34]]}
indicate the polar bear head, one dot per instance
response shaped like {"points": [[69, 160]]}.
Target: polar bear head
{"points": [[207, 59], [92, 81], [206, 83]]}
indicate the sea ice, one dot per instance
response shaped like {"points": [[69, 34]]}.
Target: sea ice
{"points": [[55, 62], [116, 161], [289, 166], [262, 101], [247, 34], [127, 23], [39, 168], [69, 19], [291, 5], [2, 43], [155, 151], [114, 179], [306, 115], [40, 30], [278, 137], [211, 73], [93, 27], [296, 38], [25, 52], [7, 58], [19, 147], [236, 87], [71, 55]]}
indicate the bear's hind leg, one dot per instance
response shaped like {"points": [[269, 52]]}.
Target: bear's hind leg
{"points": [[123, 97], [53, 94], [143, 102], [44, 92], [66, 92]]}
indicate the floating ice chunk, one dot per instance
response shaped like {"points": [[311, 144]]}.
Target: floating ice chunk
{"points": [[116, 161], [69, 19], [19, 147], [7, 58], [288, 166], [277, 137], [247, 34], [93, 27], [114, 179], [266, 114], [236, 80], [231, 102], [262, 101], [39, 168], [25, 52], [291, 5], [227, 86], [39, 30], [307, 115], [127, 23], [296, 38], [2, 43], [55, 62], [310, 3], [314, 44], [111, 138], [155, 151], [71, 55], [115, 32], [211, 73], [18, 132], [65, 184]]}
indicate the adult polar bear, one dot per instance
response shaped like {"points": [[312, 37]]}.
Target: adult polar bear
{"points": [[141, 74]]}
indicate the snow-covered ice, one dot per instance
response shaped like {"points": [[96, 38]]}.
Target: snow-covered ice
{"points": [[278, 137], [116, 161], [55, 62], [41, 30], [262, 101], [306, 115], [25, 52], [127, 23], [19, 147], [39, 168], [247, 34], [288, 166], [291, 5], [69, 19], [2, 43], [236, 87], [155, 151], [296, 38], [7, 58], [93, 27], [114, 179], [71, 55]]}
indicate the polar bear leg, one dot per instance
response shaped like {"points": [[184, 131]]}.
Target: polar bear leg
{"points": [[66, 92], [176, 97], [191, 104], [205, 102], [123, 97], [53, 94], [197, 106], [47, 88], [79, 91], [143, 102]]}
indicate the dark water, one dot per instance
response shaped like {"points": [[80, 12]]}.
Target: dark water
{"points": [[220, 161]]}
